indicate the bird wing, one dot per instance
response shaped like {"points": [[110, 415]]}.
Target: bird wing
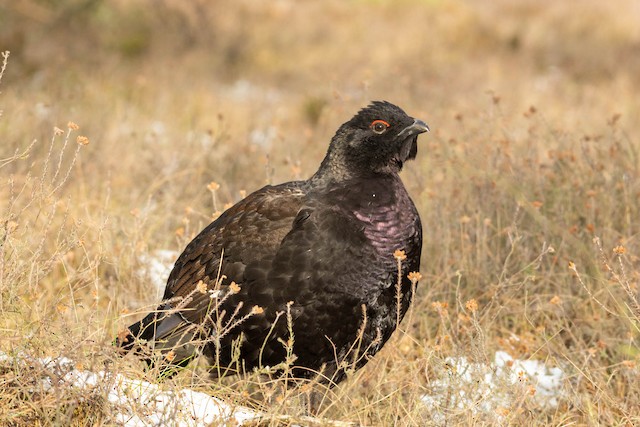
{"points": [[247, 234]]}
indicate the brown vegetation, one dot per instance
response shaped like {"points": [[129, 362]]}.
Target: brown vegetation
{"points": [[527, 186]]}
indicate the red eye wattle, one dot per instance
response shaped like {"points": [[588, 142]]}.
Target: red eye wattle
{"points": [[379, 126]]}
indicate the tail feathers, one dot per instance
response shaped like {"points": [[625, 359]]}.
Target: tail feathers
{"points": [[163, 337]]}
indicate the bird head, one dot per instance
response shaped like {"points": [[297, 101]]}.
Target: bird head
{"points": [[377, 140]]}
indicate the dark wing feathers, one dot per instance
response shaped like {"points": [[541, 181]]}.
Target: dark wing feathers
{"points": [[238, 247], [244, 238]]}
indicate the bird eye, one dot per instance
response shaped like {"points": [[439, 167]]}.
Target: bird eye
{"points": [[379, 126]]}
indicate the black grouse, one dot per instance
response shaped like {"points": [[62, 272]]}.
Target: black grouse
{"points": [[307, 265]]}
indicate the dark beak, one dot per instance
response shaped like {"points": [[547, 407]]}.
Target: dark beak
{"points": [[416, 128]]}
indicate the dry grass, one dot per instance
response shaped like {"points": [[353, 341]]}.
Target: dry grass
{"points": [[528, 184]]}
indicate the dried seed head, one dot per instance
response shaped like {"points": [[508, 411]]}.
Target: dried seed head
{"points": [[201, 287], [522, 376], [619, 250], [399, 255], [537, 204], [502, 411], [123, 334], [82, 140], [234, 288], [471, 305], [73, 126], [213, 186], [556, 300], [256, 309], [414, 277], [57, 131], [170, 356], [440, 307]]}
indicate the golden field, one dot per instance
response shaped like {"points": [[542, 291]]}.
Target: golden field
{"points": [[117, 117]]}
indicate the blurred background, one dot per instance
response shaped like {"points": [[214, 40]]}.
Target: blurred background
{"points": [[188, 105], [277, 78], [291, 59]]}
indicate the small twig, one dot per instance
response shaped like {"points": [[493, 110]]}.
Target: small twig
{"points": [[621, 279], [5, 61], [572, 267]]}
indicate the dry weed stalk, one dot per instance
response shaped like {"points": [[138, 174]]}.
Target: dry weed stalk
{"points": [[3, 67], [622, 278]]}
